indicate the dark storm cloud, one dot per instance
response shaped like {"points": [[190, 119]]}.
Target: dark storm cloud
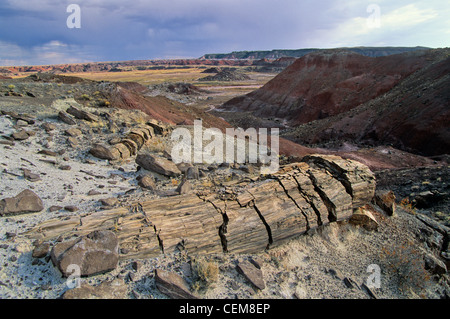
{"points": [[35, 32]]}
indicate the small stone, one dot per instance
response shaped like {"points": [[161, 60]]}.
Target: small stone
{"points": [[71, 208], [112, 201], [21, 123], [54, 208], [66, 118], [252, 274], [41, 250], [349, 283], [32, 177], [9, 235], [65, 167], [148, 182], [25, 202], [172, 285], [93, 192], [115, 289], [72, 141], [136, 265], [434, 265], [158, 164], [73, 132], [94, 253], [20, 135], [48, 152], [48, 127], [185, 187], [386, 201], [364, 217], [192, 173], [104, 152]]}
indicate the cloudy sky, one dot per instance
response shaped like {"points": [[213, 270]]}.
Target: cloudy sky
{"points": [[36, 32]]}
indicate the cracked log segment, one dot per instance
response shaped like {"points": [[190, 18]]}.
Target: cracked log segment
{"points": [[127, 147], [266, 213]]}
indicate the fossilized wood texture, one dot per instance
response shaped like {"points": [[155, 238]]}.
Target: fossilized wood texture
{"points": [[266, 213]]}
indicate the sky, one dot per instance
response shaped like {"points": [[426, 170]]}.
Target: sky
{"points": [[40, 32]]}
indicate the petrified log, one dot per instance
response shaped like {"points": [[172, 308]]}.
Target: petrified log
{"points": [[126, 147], [263, 214]]}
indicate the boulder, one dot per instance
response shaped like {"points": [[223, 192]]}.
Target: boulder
{"points": [[158, 164], [147, 181], [20, 135], [192, 173], [103, 152], [386, 201], [184, 188], [364, 217], [172, 285], [25, 202], [253, 274], [95, 253]]}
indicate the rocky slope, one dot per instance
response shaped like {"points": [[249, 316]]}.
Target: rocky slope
{"points": [[321, 87], [91, 184]]}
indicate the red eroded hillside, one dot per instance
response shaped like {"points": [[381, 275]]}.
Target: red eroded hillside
{"points": [[324, 84], [131, 95]]}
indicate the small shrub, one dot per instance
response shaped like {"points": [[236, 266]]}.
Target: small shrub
{"points": [[205, 273], [406, 263], [85, 97], [408, 206], [11, 87]]}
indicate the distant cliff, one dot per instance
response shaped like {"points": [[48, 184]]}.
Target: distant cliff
{"points": [[276, 54]]}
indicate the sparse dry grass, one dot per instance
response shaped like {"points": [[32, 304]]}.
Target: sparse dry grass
{"points": [[206, 273]]}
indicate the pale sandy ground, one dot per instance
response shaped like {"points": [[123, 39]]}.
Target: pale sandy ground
{"points": [[311, 266]]}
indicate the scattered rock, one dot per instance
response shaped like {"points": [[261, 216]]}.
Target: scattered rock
{"points": [[41, 250], [48, 127], [32, 177], [72, 141], [252, 274], [158, 164], [184, 188], [54, 208], [48, 153], [66, 118], [112, 201], [434, 265], [93, 192], [95, 253], [20, 135], [115, 289], [71, 208], [192, 173], [82, 115], [73, 132], [25, 202], [386, 201], [172, 285], [103, 152], [364, 217], [350, 283], [148, 182]]}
